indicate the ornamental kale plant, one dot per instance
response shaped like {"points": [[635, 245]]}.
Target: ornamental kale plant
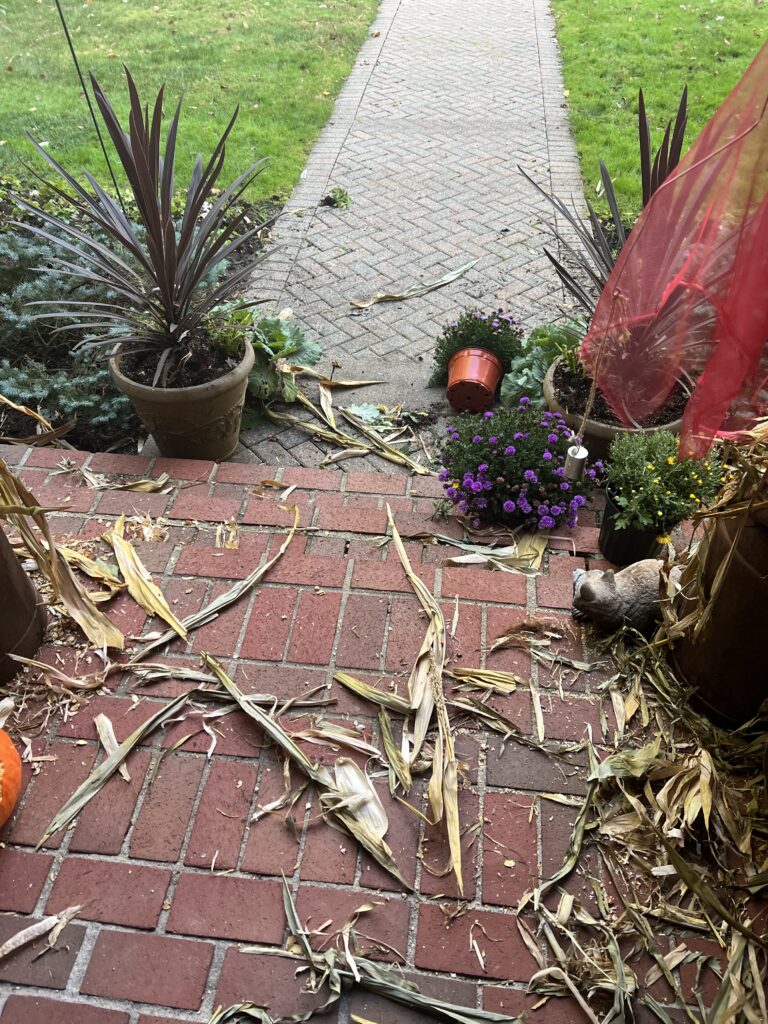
{"points": [[537, 352], [497, 332], [508, 466], [651, 488]]}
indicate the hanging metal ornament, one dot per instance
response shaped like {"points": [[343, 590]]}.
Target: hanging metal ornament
{"points": [[576, 460]]}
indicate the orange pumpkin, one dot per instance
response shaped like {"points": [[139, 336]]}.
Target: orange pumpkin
{"points": [[10, 777]]}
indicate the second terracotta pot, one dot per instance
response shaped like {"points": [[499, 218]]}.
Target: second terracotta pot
{"points": [[597, 435], [473, 376], [201, 422]]}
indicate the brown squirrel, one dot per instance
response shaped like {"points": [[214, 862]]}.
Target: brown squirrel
{"points": [[629, 597]]}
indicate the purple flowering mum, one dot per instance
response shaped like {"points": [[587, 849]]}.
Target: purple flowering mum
{"points": [[521, 478]]}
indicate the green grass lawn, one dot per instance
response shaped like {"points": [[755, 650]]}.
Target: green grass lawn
{"points": [[283, 61], [613, 47]]}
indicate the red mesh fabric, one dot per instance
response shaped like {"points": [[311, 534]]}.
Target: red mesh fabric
{"points": [[688, 297]]}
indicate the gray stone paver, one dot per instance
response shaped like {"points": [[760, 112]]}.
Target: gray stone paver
{"points": [[445, 100]]}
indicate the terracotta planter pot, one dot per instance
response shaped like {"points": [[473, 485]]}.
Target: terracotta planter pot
{"points": [[597, 436], [726, 663], [22, 623], [473, 376], [201, 422], [623, 547]]}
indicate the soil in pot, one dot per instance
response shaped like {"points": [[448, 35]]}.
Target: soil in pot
{"points": [[208, 362], [197, 422], [572, 391], [624, 547]]}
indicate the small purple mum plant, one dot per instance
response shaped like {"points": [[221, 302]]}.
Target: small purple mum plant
{"points": [[508, 466]]}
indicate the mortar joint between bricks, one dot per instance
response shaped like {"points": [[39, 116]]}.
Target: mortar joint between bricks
{"points": [[208, 1005], [56, 864], [178, 867]]}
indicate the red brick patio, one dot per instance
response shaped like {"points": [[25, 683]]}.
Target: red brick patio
{"points": [[173, 877]]}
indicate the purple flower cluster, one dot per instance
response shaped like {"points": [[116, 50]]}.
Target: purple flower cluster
{"points": [[508, 466]]}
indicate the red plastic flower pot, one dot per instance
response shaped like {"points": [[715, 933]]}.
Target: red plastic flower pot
{"points": [[473, 376]]}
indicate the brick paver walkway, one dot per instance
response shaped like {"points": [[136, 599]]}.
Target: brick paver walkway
{"points": [[173, 875], [446, 98]]}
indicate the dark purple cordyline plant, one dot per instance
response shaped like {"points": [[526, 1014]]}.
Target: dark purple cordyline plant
{"points": [[161, 271]]}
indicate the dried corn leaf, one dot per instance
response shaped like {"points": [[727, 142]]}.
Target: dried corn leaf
{"points": [[630, 764], [334, 970], [347, 819], [398, 766], [488, 680], [97, 569], [101, 775], [425, 688], [108, 739], [99, 482], [524, 556], [326, 403], [75, 600], [140, 584], [228, 535], [53, 924], [415, 289], [384, 449], [384, 698], [218, 604], [574, 845], [332, 735]]}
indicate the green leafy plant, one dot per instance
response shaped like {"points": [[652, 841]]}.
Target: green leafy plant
{"points": [[82, 392], [495, 331], [38, 369], [277, 343], [508, 466], [537, 352], [164, 308], [338, 197], [589, 248], [651, 488]]}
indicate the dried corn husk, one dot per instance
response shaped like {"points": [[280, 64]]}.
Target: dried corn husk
{"points": [[19, 507], [425, 689]]}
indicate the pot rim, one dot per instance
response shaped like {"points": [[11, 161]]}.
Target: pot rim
{"points": [[212, 387], [597, 427], [481, 353]]}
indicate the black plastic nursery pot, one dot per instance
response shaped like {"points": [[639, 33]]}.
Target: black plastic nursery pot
{"points": [[625, 546]]}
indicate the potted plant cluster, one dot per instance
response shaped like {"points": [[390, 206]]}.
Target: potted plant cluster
{"points": [[176, 350], [471, 356], [508, 467], [649, 491]]}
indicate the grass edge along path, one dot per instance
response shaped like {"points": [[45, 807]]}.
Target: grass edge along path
{"points": [[610, 48], [282, 61]]}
